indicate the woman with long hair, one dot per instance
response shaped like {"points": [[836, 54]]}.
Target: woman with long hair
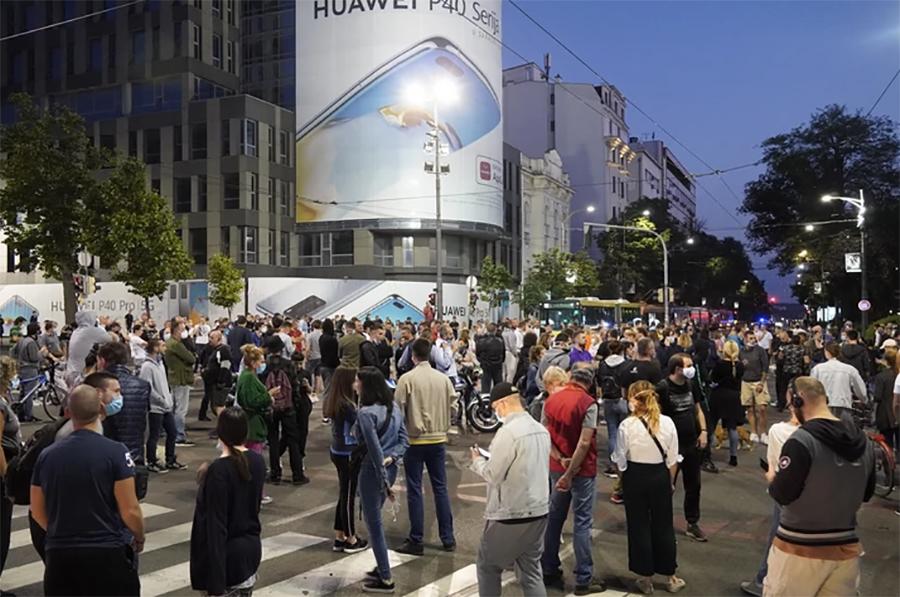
{"points": [[381, 433], [529, 341], [253, 397], [328, 348], [725, 399], [340, 406], [647, 457], [225, 536]]}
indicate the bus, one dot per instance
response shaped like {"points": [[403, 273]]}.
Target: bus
{"points": [[588, 311]]}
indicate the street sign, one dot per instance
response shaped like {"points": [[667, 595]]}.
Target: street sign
{"points": [[852, 263], [864, 305], [817, 288], [471, 282]]}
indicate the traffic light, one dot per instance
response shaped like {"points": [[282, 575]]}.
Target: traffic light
{"points": [[90, 285], [78, 280]]}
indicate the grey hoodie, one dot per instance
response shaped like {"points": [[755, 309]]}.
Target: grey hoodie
{"points": [[83, 339]]}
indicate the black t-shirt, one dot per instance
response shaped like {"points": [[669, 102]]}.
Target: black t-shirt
{"points": [[678, 401], [640, 371], [78, 476]]}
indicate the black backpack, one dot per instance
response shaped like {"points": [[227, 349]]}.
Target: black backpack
{"points": [[21, 468], [608, 380]]}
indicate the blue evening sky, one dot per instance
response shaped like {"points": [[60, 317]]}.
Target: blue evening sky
{"points": [[722, 75]]}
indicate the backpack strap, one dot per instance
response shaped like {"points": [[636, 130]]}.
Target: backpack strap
{"points": [[653, 437]]}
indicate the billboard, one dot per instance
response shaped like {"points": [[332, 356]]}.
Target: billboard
{"points": [[374, 78]]}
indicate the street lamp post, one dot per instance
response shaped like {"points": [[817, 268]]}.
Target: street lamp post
{"points": [[587, 230], [860, 205]]}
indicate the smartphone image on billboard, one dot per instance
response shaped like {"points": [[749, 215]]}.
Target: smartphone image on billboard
{"points": [[395, 308], [362, 143]]}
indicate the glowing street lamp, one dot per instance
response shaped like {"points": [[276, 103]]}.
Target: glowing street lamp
{"points": [[860, 205], [646, 213], [809, 227]]}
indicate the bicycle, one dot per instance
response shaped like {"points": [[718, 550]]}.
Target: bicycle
{"points": [[885, 463], [44, 391]]}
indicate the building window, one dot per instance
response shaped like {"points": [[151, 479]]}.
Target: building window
{"points": [[154, 39], [217, 51], [409, 255], [137, 47], [283, 204], [229, 11], [248, 244], [151, 146], [342, 248], [270, 191], [177, 38], [229, 56], [217, 8], [196, 47], [311, 249], [254, 191], [111, 50], [384, 251], [226, 137], [284, 249], [283, 150], [198, 141], [95, 55], [272, 144], [271, 248], [231, 191], [177, 144], [70, 59], [197, 238], [55, 66], [202, 204], [248, 137], [132, 143], [182, 195], [108, 141], [226, 241]]}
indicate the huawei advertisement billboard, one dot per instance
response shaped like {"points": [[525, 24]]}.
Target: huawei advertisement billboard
{"points": [[373, 79]]}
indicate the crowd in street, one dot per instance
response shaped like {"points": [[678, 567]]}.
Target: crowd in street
{"points": [[667, 396]]}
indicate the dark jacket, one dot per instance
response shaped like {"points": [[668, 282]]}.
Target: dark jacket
{"points": [[225, 536], [237, 337], [369, 356], [490, 350], [883, 395], [857, 355], [328, 346], [129, 424]]}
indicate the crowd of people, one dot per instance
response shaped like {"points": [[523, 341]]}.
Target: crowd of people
{"points": [[667, 397]]}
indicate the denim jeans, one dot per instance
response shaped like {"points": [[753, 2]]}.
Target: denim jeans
{"points": [[28, 380], [157, 422], [181, 396], [615, 411], [581, 498], [430, 456], [372, 494], [764, 567]]}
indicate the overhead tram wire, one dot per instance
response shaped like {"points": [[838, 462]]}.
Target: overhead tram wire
{"points": [[72, 20], [562, 44], [884, 91]]}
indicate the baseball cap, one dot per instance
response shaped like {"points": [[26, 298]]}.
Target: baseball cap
{"points": [[888, 342], [502, 390]]}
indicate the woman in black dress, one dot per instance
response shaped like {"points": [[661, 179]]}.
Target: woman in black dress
{"points": [[725, 399], [225, 545]]}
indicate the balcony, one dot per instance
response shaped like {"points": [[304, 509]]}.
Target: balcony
{"points": [[620, 154]]}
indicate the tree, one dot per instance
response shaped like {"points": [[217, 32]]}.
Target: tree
{"points": [[494, 283], [836, 152], [153, 254], [557, 274], [226, 282]]}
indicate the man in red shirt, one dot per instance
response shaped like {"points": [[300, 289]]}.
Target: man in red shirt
{"points": [[570, 415]]}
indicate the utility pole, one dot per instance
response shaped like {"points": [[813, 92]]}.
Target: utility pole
{"points": [[433, 145], [864, 292]]}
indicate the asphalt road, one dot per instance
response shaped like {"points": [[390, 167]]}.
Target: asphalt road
{"points": [[297, 531]]}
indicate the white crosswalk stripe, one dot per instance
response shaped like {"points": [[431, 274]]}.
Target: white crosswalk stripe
{"points": [[334, 576], [448, 585], [178, 576], [23, 537]]}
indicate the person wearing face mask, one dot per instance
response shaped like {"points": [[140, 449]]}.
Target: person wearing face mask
{"points": [[128, 422], [180, 366], [162, 406], [83, 496], [516, 468], [754, 390], [680, 399], [252, 396]]}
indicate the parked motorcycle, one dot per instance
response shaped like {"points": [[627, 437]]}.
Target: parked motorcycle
{"points": [[473, 409]]}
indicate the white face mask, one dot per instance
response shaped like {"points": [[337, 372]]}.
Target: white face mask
{"points": [[263, 330], [184, 334], [689, 372]]}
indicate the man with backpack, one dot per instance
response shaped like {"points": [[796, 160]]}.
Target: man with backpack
{"points": [[283, 427], [615, 408], [490, 352], [557, 356]]}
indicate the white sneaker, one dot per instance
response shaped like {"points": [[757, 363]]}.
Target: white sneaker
{"points": [[764, 439], [266, 500], [754, 438]]}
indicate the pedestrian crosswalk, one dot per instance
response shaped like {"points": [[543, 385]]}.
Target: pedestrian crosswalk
{"points": [[165, 565]]}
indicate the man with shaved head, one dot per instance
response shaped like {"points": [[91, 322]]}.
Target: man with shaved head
{"points": [[83, 496]]}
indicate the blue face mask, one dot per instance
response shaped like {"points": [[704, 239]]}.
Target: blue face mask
{"points": [[261, 369], [115, 406]]}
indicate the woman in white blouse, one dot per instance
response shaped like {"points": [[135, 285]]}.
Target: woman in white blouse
{"points": [[647, 457]]}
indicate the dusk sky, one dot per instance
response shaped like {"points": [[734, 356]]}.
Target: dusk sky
{"points": [[721, 76]]}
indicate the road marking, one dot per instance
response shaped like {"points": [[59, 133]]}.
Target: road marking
{"points": [[33, 573], [448, 585], [178, 576], [331, 577], [22, 511], [23, 537], [302, 515]]}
